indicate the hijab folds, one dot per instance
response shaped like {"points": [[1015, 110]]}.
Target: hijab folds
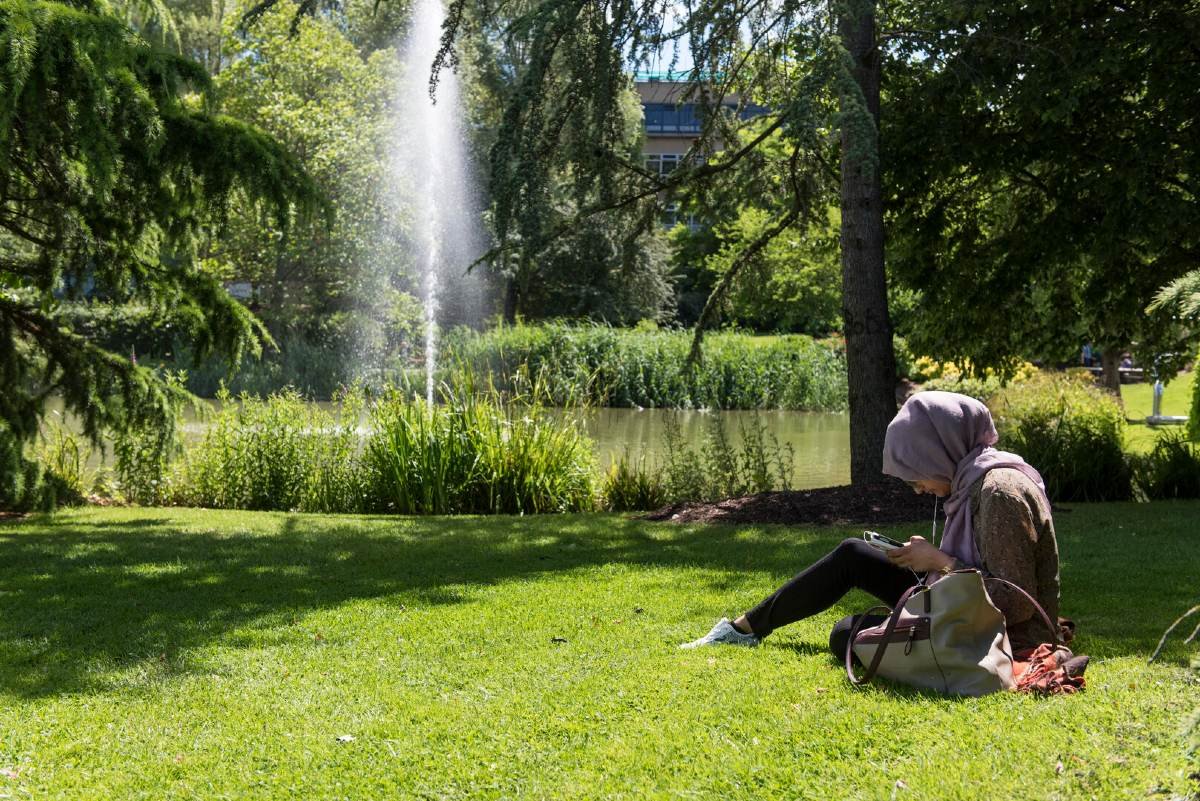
{"points": [[944, 436]]}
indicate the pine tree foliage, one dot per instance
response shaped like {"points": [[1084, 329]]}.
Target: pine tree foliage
{"points": [[112, 165], [1181, 295]]}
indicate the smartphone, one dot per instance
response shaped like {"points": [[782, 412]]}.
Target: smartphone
{"points": [[881, 542]]}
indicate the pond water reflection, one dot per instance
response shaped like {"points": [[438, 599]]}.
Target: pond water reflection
{"points": [[821, 440]]}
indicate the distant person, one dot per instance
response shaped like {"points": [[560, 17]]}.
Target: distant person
{"points": [[1086, 357], [1126, 361], [997, 520]]}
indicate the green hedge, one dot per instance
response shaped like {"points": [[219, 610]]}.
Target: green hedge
{"points": [[605, 366], [25, 483], [1072, 431], [1171, 470]]}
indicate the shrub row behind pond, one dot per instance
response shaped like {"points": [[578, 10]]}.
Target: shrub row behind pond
{"points": [[606, 366], [473, 453]]}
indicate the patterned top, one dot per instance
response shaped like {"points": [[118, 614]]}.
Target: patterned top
{"points": [[1015, 537]]}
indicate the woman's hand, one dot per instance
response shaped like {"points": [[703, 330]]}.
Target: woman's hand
{"points": [[920, 555]]}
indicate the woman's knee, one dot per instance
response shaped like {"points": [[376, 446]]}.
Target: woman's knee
{"points": [[851, 548], [839, 637]]}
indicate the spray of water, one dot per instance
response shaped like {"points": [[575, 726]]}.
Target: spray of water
{"points": [[430, 188]]}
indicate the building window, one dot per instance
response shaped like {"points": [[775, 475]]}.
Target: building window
{"points": [[662, 164], [670, 118], [672, 216]]}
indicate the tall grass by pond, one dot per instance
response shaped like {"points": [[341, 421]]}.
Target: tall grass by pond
{"points": [[719, 468], [607, 366], [475, 452]]}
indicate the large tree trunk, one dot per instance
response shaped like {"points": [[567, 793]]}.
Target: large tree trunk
{"points": [[510, 300], [870, 359], [1110, 360]]}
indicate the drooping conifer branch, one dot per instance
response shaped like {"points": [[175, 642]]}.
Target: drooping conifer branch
{"points": [[112, 168]]}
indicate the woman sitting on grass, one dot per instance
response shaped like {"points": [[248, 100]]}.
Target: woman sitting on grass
{"points": [[997, 520]]}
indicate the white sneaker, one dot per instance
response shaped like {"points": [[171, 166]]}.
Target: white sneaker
{"points": [[723, 633]]}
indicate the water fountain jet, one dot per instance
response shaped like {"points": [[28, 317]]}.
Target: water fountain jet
{"points": [[430, 185]]}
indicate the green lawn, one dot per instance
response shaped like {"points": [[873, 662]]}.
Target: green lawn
{"points": [[1139, 402], [153, 653]]}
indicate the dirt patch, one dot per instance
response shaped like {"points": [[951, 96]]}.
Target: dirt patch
{"points": [[888, 502]]}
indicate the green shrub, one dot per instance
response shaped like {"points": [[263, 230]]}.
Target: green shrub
{"points": [[24, 484], [1071, 431], [143, 455], [605, 366], [1193, 424], [630, 486], [949, 377], [1170, 470]]}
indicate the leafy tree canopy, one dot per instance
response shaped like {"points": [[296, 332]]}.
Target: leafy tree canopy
{"points": [[318, 95], [1042, 172]]}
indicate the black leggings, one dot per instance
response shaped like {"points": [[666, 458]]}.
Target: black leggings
{"points": [[852, 565]]}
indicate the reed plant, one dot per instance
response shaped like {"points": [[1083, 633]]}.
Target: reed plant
{"points": [[649, 368], [281, 452], [65, 454], [718, 468], [721, 468], [477, 451], [632, 484]]}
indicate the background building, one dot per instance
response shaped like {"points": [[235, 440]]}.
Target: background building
{"points": [[672, 127]]}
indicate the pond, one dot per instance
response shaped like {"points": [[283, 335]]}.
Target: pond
{"points": [[821, 441]]}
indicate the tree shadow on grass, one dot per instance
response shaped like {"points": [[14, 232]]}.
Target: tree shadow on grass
{"points": [[82, 598]]}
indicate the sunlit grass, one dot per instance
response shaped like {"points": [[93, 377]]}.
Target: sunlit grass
{"points": [[1139, 402], [170, 653]]}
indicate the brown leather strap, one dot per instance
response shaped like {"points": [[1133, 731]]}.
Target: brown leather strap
{"points": [[850, 644], [1053, 629], [887, 636]]}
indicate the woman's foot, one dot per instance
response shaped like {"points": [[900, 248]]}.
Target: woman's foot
{"points": [[724, 633]]}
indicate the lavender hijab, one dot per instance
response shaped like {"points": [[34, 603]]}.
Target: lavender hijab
{"points": [[944, 436]]}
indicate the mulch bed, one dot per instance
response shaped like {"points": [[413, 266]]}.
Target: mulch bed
{"points": [[888, 502]]}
